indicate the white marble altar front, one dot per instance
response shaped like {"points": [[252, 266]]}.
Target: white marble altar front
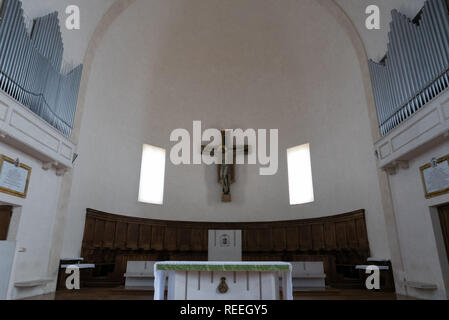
{"points": [[223, 280]]}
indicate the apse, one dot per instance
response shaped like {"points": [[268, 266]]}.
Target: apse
{"points": [[161, 65], [245, 149]]}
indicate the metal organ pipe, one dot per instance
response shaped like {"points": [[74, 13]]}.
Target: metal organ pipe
{"points": [[30, 66], [416, 68]]}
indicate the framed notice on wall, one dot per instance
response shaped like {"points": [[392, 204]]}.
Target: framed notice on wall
{"points": [[14, 177], [435, 177]]}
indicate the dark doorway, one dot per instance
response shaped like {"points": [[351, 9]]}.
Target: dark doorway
{"points": [[444, 221], [5, 219]]}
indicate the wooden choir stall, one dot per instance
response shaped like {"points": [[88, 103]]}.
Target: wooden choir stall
{"points": [[340, 242]]}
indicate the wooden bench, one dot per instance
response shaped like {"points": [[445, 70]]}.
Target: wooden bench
{"points": [[140, 275], [308, 276]]}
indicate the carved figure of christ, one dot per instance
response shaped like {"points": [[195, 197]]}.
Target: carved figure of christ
{"points": [[226, 169]]}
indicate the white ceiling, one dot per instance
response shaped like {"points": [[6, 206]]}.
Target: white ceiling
{"points": [[76, 42]]}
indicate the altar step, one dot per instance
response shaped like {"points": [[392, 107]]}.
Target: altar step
{"points": [[306, 292], [348, 284], [101, 284], [132, 291], [316, 292]]}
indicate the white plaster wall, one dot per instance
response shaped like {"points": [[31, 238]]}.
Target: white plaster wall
{"points": [[34, 232], [376, 40], [415, 229], [281, 64], [7, 252], [75, 41]]}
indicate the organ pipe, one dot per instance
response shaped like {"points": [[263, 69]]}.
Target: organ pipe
{"points": [[30, 66], [416, 67]]}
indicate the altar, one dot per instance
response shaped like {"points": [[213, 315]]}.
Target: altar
{"points": [[223, 280]]}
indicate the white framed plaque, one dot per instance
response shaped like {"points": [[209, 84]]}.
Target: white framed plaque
{"points": [[14, 177], [435, 178]]}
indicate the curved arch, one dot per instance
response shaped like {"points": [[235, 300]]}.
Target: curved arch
{"points": [[119, 6], [346, 23], [116, 9]]}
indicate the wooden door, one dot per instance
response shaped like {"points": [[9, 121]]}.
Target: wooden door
{"points": [[444, 221], [5, 219]]}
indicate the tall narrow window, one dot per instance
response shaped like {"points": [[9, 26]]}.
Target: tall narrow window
{"points": [[300, 175], [152, 175]]}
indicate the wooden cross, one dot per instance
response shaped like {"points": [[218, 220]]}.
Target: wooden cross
{"points": [[226, 172]]}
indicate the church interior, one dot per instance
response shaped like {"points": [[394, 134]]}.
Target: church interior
{"points": [[224, 149]]}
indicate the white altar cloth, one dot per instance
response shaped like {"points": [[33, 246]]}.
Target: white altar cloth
{"points": [[263, 275]]}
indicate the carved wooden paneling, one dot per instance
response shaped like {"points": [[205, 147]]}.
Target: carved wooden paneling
{"points": [[132, 236], [89, 231], [262, 256], [266, 240], [121, 230], [362, 234], [340, 230], [259, 236], [205, 245], [330, 239], [109, 234], [305, 237], [188, 256], [198, 239], [251, 238], [145, 237], [292, 238], [170, 242], [351, 234], [157, 237], [99, 233], [244, 241], [318, 236], [279, 239], [184, 238]]}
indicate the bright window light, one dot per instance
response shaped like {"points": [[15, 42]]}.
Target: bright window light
{"points": [[152, 175], [300, 175]]}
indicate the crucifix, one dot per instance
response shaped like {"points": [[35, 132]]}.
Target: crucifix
{"points": [[226, 169]]}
